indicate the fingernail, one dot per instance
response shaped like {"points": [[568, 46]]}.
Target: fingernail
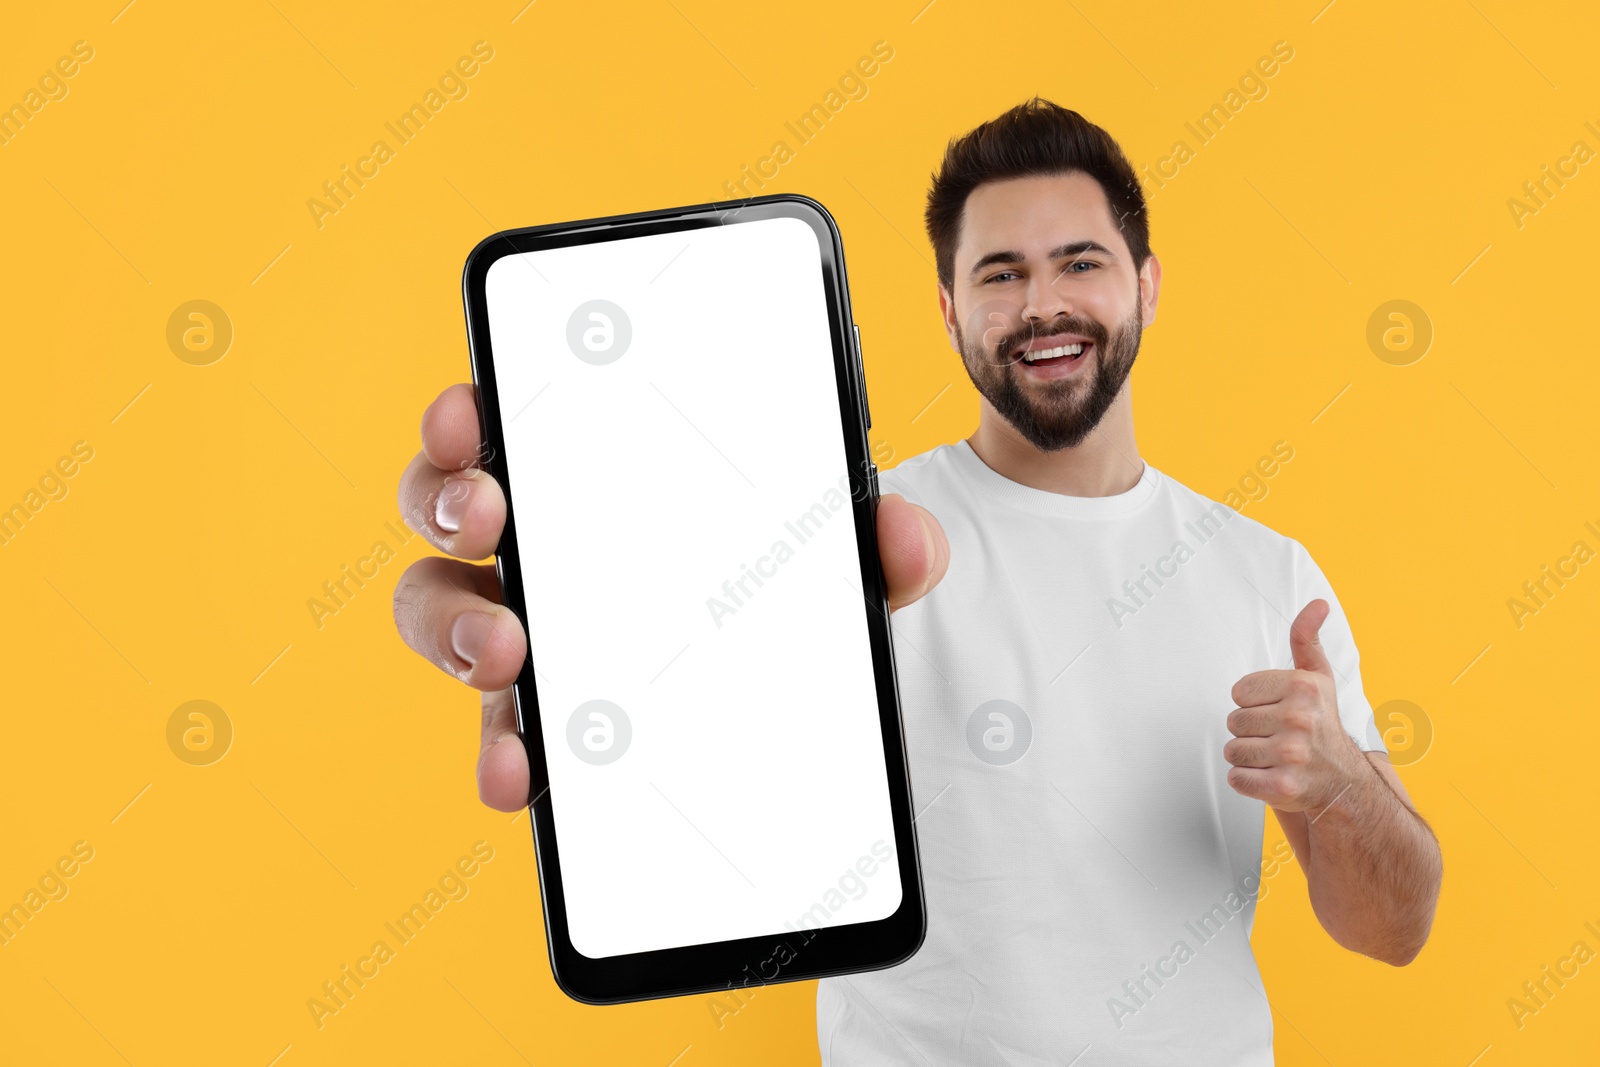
{"points": [[451, 507], [470, 634]]}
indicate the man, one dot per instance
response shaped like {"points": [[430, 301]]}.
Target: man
{"points": [[1106, 678]]}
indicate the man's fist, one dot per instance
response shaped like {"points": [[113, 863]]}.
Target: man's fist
{"points": [[1289, 748], [449, 610]]}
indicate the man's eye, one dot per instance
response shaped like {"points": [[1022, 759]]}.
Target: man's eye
{"points": [[1081, 263], [1002, 274]]}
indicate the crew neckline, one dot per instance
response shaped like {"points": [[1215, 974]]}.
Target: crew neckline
{"points": [[1044, 502]]}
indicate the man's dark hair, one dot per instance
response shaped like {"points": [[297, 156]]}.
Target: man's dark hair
{"points": [[1035, 137]]}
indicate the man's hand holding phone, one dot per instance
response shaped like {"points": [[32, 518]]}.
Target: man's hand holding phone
{"points": [[449, 610]]}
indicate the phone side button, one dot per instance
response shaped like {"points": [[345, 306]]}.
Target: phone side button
{"points": [[861, 377]]}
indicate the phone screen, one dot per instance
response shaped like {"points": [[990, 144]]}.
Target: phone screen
{"points": [[696, 625]]}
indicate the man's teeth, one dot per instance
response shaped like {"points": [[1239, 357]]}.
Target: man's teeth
{"points": [[1052, 353]]}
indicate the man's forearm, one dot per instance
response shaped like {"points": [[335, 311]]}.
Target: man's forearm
{"points": [[1373, 867]]}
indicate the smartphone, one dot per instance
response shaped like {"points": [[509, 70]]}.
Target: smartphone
{"points": [[674, 404]]}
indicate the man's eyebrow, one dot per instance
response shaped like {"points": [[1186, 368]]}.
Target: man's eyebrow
{"points": [[1072, 248]]}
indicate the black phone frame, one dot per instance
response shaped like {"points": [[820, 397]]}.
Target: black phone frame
{"points": [[726, 965]]}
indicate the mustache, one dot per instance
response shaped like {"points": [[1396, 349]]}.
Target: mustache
{"points": [[1066, 324]]}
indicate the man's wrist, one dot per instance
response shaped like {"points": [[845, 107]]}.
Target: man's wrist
{"points": [[1350, 792]]}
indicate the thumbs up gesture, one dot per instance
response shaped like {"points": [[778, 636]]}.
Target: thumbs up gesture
{"points": [[1289, 748]]}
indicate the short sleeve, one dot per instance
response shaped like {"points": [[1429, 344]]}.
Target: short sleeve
{"points": [[1338, 643], [891, 482]]}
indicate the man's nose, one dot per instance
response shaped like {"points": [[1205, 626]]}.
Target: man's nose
{"points": [[1045, 301]]}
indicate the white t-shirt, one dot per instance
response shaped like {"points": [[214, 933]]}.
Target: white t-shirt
{"points": [[1091, 878]]}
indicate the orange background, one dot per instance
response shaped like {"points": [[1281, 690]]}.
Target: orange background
{"points": [[219, 498]]}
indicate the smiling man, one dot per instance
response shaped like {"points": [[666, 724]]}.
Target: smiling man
{"points": [[1091, 786]]}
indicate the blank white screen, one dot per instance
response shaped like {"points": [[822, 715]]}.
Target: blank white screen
{"points": [[710, 450]]}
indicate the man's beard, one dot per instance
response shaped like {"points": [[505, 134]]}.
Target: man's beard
{"points": [[1056, 413]]}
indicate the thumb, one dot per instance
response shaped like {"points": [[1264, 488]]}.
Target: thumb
{"points": [[1305, 642], [912, 548]]}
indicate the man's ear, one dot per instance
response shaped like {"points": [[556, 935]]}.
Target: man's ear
{"points": [[1149, 288], [947, 311]]}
